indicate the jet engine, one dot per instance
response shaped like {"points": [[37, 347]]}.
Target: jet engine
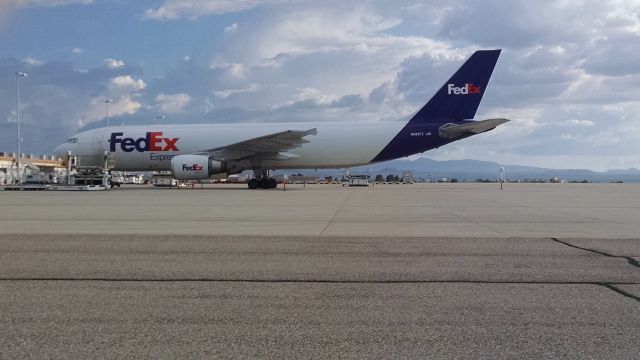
{"points": [[196, 167]]}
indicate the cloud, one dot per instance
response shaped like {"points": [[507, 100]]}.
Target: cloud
{"points": [[235, 70], [127, 83], [323, 30], [113, 63], [314, 95], [615, 55], [172, 104], [231, 29], [32, 61], [12, 117], [77, 51], [47, 3], [306, 43], [97, 110], [193, 9], [577, 122], [568, 79], [57, 99], [229, 92]]}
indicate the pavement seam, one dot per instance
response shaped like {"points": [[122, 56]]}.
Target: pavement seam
{"points": [[327, 281], [445, 210], [337, 212], [630, 260], [473, 222]]}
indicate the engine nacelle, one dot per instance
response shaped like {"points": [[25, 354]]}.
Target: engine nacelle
{"points": [[196, 167]]}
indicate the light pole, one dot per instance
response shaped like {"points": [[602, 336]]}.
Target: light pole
{"points": [[108, 101], [18, 76]]}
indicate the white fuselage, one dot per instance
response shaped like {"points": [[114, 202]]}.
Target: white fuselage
{"points": [[335, 144]]}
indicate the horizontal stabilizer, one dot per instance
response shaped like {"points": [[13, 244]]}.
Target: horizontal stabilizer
{"points": [[452, 131]]}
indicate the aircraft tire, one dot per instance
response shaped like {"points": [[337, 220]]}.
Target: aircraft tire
{"points": [[263, 183], [253, 184]]}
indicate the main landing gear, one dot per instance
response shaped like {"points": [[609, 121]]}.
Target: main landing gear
{"points": [[263, 182]]}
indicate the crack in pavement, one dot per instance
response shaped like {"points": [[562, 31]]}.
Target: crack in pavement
{"points": [[610, 286], [621, 292], [630, 260]]}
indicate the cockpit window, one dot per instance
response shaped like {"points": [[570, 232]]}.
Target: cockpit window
{"points": [[73, 141]]}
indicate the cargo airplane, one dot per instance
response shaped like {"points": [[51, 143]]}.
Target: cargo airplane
{"points": [[199, 151]]}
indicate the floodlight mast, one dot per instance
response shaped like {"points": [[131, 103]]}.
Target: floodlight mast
{"points": [[108, 101], [19, 139]]}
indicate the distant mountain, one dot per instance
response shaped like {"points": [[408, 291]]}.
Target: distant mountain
{"points": [[631, 171], [475, 169]]}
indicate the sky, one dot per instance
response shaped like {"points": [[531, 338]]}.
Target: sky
{"points": [[568, 76]]}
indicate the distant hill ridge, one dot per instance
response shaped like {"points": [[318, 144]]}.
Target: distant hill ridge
{"points": [[477, 169]]}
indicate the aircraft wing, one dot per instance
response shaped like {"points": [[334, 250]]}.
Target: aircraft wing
{"points": [[452, 131], [272, 146]]}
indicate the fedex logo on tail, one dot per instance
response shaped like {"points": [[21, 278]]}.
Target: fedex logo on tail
{"points": [[153, 141], [466, 89]]}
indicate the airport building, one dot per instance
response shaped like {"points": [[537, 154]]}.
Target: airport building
{"points": [[34, 168]]}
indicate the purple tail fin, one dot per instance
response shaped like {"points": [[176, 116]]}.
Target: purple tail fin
{"points": [[460, 96], [454, 104]]}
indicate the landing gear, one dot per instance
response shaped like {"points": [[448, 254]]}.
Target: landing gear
{"points": [[268, 183], [263, 182]]}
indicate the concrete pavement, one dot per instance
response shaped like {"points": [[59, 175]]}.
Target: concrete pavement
{"points": [[451, 271], [540, 210]]}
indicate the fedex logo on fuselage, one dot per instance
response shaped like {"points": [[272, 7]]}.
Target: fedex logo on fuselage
{"points": [[153, 141], [468, 88], [194, 167]]}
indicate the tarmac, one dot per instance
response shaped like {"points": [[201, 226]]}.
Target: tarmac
{"points": [[322, 271]]}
